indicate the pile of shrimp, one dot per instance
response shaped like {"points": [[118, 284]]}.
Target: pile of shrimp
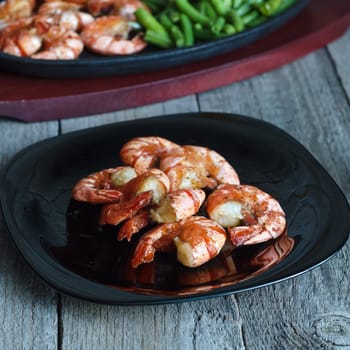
{"points": [[60, 30], [162, 186]]}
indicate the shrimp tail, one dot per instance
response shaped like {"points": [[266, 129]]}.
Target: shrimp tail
{"points": [[114, 214]]}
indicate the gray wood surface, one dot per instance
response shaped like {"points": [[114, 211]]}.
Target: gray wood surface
{"points": [[308, 98]]}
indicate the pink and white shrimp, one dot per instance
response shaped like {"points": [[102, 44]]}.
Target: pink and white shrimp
{"points": [[13, 10], [147, 188], [194, 166], [178, 205], [60, 44], [250, 214], [197, 240], [103, 186], [143, 153], [20, 38], [111, 35]]}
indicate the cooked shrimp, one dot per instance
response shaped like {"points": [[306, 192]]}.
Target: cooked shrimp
{"points": [[145, 249], [109, 35], [100, 7], [115, 213], [70, 20], [152, 182], [143, 152], [250, 214], [133, 225], [98, 188], [188, 165], [178, 205], [57, 7], [60, 44], [12, 10], [127, 8], [20, 38], [197, 240]]}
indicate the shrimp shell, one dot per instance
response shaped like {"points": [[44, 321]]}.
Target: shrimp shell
{"points": [[109, 35], [60, 44], [197, 240], [97, 188], [251, 215], [143, 152], [209, 166], [20, 38]]}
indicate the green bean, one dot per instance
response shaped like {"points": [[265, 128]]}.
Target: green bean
{"points": [[237, 3], [191, 12], [269, 7], [158, 39], [187, 29], [244, 9], [222, 7], [174, 30], [165, 21], [174, 15], [152, 6], [236, 20], [229, 29], [218, 25], [249, 17], [205, 34], [150, 22], [257, 21], [209, 10], [178, 36]]}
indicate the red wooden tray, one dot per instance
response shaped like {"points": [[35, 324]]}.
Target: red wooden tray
{"points": [[35, 99]]}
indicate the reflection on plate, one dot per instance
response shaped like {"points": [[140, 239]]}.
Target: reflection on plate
{"points": [[90, 65], [92, 251], [81, 263]]}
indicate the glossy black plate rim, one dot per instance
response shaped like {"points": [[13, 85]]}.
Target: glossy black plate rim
{"points": [[95, 292], [99, 66]]}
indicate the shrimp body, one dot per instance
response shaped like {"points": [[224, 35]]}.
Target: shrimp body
{"points": [[97, 188], [12, 10], [57, 7], [203, 166], [20, 38], [70, 20], [178, 205], [109, 35], [115, 213], [250, 214], [146, 249], [133, 225], [100, 7], [197, 240], [127, 8], [60, 44], [143, 152], [147, 188]]}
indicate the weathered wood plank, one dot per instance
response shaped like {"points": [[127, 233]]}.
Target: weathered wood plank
{"points": [[28, 308], [340, 53], [181, 105], [305, 99]]}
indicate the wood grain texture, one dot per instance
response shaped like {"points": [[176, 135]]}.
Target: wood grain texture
{"points": [[340, 52], [28, 308]]}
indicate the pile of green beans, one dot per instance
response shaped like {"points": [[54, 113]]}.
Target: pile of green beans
{"points": [[180, 23]]}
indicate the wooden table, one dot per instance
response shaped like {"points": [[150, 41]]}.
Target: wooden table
{"points": [[310, 99]]}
